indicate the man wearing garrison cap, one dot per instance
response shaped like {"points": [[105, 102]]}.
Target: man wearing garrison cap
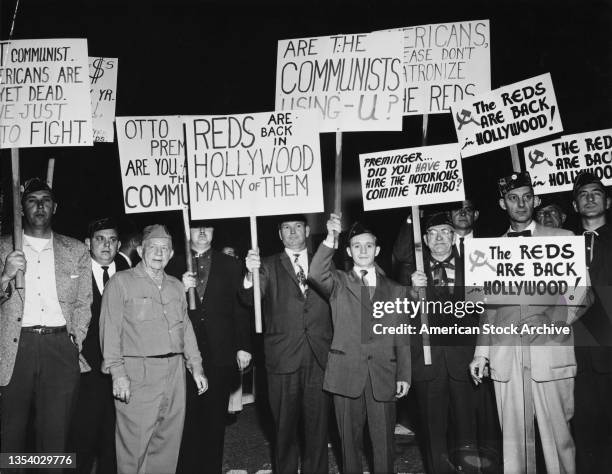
{"points": [[553, 365], [147, 340], [42, 326], [367, 369]]}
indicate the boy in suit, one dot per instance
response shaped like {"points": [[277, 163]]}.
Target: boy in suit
{"points": [[367, 369]]}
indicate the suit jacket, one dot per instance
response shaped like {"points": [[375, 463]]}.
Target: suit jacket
{"points": [[593, 331], [454, 352], [73, 282], [91, 345], [550, 359], [293, 322], [220, 321], [356, 351]]}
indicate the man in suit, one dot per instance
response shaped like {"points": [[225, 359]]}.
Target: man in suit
{"points": [[367, 369], [463, 215], [221, 325], [94, 422], [592, 420], [131, 239], [42, 328], [553, 365], [444, 392], [297, 336]]}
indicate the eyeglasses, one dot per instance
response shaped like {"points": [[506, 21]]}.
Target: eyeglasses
{"points": [[548, 212], [433, 233], [466, 209]]}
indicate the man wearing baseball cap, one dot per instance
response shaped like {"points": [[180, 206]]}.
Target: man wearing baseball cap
{"points": [[42, 326], [147, 340]]}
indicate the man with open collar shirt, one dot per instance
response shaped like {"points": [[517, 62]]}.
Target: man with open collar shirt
{"points": [[553, 365], [42, 327], [592, 420], [368, 368], [297, 335], [147, 340]]}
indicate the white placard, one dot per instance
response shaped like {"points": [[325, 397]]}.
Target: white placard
{"points": [[259, 164], [44, 93], [411, 177], [354, 82], [525, 270], [103, 79], [553, 165], [445, 63], [152, 155], [512, 114]]}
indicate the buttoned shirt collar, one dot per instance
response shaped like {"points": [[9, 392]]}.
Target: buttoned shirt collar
{"points": [[98, 273], [302, 258], [370, 277]]}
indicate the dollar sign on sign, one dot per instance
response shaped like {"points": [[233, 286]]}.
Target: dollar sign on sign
{"points": [[98, 71]]}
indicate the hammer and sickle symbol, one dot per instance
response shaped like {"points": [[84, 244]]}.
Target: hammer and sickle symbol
{"points": [[538, 158], [478, 259], [465, 118]]}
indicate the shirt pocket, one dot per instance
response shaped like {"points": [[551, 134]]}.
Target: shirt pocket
{"points": [[141, 308], [173, 310]]}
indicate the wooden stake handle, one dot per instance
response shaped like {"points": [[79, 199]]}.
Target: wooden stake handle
{"points": [[256, 284], [191, 294], [17, 224]]}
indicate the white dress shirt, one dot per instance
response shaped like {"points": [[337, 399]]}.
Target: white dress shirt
{"points": [[41, 306], [98, 273], [530, 227]]}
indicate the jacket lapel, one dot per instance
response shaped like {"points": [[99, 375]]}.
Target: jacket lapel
{"points": [[354, 286], [288, 266]]}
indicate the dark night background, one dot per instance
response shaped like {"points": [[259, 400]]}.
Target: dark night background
{"points": [[219, 57]]}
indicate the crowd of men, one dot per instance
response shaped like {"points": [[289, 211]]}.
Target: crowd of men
{"points": [[95, 344]]}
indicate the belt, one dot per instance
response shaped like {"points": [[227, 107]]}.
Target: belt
{"points": [[44, 330], [165, 356]]}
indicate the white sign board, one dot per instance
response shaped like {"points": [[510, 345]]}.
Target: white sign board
{"points": [[103, 78], [152, 156], [445, 63], [512, 114], [411, 177], [554, 165], [525, 270], [257, 164], [44, 93], [354, 82]]}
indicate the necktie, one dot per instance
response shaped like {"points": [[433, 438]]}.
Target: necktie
{"points": [[364, 282], [461, 246], [105, 276], [299, 272], [589, 243], [438, 269], [523, 233]]}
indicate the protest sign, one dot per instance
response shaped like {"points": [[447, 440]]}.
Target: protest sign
{"points": [[411, 177], [44, 93], [553, 165], [512, 114], [152, 156], [103, 78], [253, 164], [354, 82], [445, 63], [526, 270]]}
